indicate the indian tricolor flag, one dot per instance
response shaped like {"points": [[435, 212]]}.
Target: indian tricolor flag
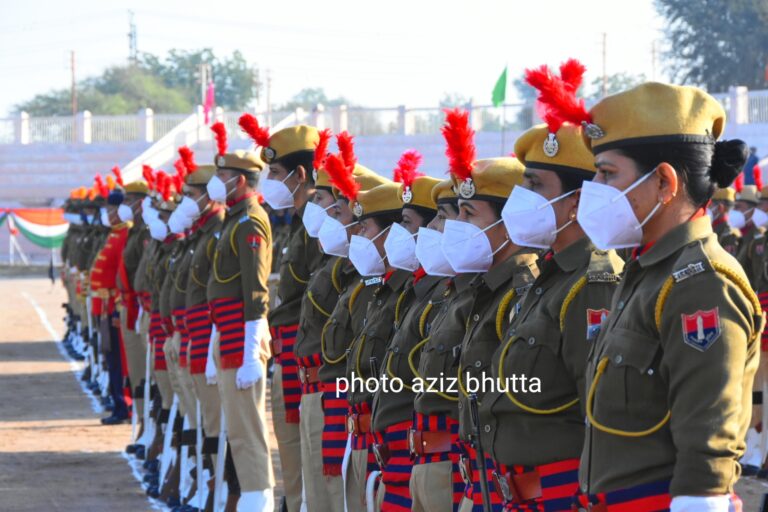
{"points": [[45, 227]]}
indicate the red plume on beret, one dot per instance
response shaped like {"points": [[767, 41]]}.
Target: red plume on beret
{"points": [[118, 175], [259, 134], [102, 187], [341, 177], [111, 182], [557, 101], [738, 184], [757, 173], [459, 138], [178, 183], [149, 176], [188, 158], [180, 169], [220, 133], [346, 144], [321, 149], [406, 170]]}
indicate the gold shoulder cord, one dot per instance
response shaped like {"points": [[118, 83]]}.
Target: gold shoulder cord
{"points": [[399, 303], [215, 265], [295, 276], [423, 319], [575, 289], [322, 348], [317, 306], [528, 409], [416, 373], [393, 376], [502, 312], [335, 275], [196, 279], [176, 284], [354, 294], [666, 289], [357, 358]]}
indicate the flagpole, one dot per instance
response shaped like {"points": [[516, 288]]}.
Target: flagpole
{"points": [[503, 126]]}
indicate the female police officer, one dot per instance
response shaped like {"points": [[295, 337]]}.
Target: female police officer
{"points": [[670, 376]]}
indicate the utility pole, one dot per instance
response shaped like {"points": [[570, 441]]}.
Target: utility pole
{"points": [[132, 46], [605, 73], [269, 97], [73, 94]]}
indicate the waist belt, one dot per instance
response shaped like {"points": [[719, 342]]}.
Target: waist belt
{"points": [[276, 346], [358, 424], [517, 488], [309, 375], [423, 442]]}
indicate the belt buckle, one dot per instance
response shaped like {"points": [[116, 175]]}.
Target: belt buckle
{"points": [[377, 454], [466, 474], [501, 485], [303, 375], [412, 441], [351, 420]]}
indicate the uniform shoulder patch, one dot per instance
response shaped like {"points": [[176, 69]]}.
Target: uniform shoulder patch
{"points": [[595, 318], [701, 329], [688, 271], [254, 241]]}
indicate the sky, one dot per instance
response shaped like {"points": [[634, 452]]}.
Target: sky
{"points": [[378, 54]]}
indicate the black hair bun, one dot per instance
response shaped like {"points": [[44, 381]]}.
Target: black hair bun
{"points": [[728, 161]]}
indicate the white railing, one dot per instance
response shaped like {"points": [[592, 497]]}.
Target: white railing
{"points": [[742, 107], [114, 128]]}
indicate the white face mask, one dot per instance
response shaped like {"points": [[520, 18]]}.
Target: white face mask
{"points": [[104, 217], [736, 219], [125, 213], [759, 217], [313, 218], [333, 237], [277, 194], [177, 223], [467, 248], [430, 254], [606, 215], [90, 218], [365, 256], [400, 248], [158, 230], [217, 189], [189, 208], [530, 218]]}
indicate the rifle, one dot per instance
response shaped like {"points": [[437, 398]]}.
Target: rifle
{"points": [[481, 468]]}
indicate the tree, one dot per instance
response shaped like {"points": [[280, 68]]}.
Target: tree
{"points": [[167, 85], [308, 98], [717, 43], [614, 83]]}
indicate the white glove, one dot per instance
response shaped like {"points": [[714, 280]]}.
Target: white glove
{"points": [[137, 327], [210, 364], [256, 338], [700, 504]]}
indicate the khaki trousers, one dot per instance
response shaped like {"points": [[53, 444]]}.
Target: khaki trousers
{"points": [[247, 434], [288, 443], [164, 386], [356, 480], [136, 354], [323, 493], [432, 487]]}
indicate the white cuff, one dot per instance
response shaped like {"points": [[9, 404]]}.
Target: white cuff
{"points": [[700, 504]]}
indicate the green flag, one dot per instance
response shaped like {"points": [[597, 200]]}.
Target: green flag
{"points": [[500, 89]]}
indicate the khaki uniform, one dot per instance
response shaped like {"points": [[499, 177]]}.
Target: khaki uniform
{"points": [[157, 269], [203, 244], [751, 251], [300, 257], [135, 345], [172, 343], [548, 339], [495, 295], [729, 237], [365, 358], [322, 490], [678, 351], [241, 264]]}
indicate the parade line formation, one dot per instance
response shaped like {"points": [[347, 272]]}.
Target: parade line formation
{"points": [[615, 260]]}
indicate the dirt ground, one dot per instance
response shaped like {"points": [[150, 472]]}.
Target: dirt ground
{"points": [[54, 454]]}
